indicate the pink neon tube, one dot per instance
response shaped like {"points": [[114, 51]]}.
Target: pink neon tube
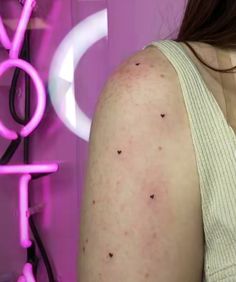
{"points": [[27, 169], [21, 279], [41, 98], [20, 31], [6, 133], [4, 39], [28, 274], [23, 209]]}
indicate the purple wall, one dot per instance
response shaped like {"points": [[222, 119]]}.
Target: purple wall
{"points": [[131, 25]]}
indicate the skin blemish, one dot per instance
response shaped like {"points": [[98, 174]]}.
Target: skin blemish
{"points": [[86, 241], [160, 148], [146, 275], [162, 115], [162, 75], [94, 202], [119, 152], [137, 64], [152, 196], [83, 249], [126, 233], [111, 255]]}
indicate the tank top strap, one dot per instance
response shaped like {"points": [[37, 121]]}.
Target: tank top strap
{"points": [[192, 83]]}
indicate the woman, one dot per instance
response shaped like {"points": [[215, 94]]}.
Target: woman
{"points": [[159, 198]]}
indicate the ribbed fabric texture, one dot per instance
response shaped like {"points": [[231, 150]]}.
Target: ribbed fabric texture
{"points": [[215, 148]]}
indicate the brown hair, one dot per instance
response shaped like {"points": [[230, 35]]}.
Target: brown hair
{"points": [[212, 22]]}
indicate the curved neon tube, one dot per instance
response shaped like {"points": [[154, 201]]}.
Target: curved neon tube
{"points": [[40, 92], [61, 74], [6, 133]]}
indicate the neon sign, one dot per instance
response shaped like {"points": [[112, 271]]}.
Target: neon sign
{"points": [[41, 98], [26, 171]]}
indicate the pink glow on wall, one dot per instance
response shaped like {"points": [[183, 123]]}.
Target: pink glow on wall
{"points": [[4, 39]]}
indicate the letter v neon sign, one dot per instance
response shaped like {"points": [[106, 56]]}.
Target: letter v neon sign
{"points": [[16, 44]]}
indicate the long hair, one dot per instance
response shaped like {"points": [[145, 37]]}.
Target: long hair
{"points": [[212, 22]]}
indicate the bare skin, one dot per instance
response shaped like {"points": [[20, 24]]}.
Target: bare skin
{"points": [[141, 217]]}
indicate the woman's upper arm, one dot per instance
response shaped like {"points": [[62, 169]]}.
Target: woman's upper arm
{"points": [[140, 217]]}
